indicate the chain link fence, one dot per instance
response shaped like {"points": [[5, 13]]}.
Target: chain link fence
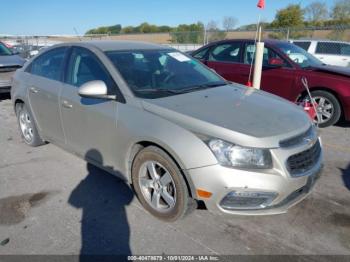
{"points": [[28, 46]]}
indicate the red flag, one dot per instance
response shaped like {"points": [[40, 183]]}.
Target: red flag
{"points": [[261, 4]]}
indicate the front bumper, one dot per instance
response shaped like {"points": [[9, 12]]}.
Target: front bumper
{"points": [[5, 86], [6, 82], [222, 181]]}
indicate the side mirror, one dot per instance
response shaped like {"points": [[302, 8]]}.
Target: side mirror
{"points": [[95, 89], [276, 62]]}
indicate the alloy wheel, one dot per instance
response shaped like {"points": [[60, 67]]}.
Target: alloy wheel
{"points": [[325, 109], [26, 126], [157, 186]]}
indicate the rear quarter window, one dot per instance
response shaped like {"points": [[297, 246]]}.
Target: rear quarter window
{"points": [[201, 55], [303, 45]]}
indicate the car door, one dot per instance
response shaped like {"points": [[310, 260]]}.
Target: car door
{"points": [[89, 124], [44, 88], [332, 53], [225, 59], [278, 76]]}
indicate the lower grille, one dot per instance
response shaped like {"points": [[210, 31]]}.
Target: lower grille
{"points": [[304, 161], [9, 68]]}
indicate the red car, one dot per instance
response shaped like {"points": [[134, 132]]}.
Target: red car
{"points": [[283, 67]]}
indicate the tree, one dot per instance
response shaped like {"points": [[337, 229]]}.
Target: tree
{"points": [[115, 29], [128, 30], [212, 25], [316, 12], [291, 16], [214, 33], [341, 10], [229, 23], [192, 33]]}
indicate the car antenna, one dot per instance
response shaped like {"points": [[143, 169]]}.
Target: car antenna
{"points": [[313, 102], [76, 32]]}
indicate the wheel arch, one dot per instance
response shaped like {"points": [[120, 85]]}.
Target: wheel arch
{"points": [[138, 146]]}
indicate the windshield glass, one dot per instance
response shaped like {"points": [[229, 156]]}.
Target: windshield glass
{"points": [[159, 73], [4, 50], [299, 55]]}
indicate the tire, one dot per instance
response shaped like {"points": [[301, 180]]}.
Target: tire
{"points": [[27, 126], [331, 101], [148, 189]]}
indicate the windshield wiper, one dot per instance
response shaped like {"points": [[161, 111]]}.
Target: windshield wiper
{"points": [[181, 91], [200, 87], [157, 90]]}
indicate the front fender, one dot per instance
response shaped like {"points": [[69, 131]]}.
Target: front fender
{"points": [[134, 125]]}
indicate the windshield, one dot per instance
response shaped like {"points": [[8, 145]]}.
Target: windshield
{"points": [[299, 55], [159, 73], [4, 50]]}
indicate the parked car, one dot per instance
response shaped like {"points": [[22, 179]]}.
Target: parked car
{"points": [[284, 65], [329, 52], [9, 63], [171, 127]]}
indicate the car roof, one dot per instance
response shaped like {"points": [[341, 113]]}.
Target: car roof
{"points": [[268, 41], [119, 45], [319, 40]]}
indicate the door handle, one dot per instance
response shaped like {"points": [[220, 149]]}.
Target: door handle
{"points": [[34, 90], [66, 104]]}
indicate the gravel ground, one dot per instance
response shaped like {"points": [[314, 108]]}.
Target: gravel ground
{"points": [[52, 202]]}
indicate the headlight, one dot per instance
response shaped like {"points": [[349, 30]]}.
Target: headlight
{"points": [[242, 157]]}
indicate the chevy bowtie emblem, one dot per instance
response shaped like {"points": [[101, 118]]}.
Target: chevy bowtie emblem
{"points": [[310, 141]]}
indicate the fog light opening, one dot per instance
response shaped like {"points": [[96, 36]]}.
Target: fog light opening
{"points": [[247, 200]]}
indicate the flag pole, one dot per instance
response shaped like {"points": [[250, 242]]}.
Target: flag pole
{"points": [[259, 51]]}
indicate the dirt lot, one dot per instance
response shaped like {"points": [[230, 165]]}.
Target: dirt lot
{"points": [[52, 202]]}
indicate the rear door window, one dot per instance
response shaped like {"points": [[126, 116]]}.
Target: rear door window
{"points": [[345, 49], [330, 48], [227, 52], [304, 45], [49, 64]]}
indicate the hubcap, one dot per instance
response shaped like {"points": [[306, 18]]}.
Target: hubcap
{"points": [[157, 186], [26, 126], [325, 109]]}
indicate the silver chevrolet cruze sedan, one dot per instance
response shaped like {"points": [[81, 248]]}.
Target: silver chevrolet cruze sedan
{"points": [[170, 127]]}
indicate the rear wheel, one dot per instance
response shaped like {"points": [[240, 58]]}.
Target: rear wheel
{"points": [[328, 108], [159, 184], [27, 126]]}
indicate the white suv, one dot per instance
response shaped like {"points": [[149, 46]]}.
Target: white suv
{"points": [[330, 52]]}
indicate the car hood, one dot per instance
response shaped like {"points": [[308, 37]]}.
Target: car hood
{"points": [[11, 60], [235, 113], [336, 70]]}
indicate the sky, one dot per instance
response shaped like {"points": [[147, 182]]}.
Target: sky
{"points": [[52, 17]]}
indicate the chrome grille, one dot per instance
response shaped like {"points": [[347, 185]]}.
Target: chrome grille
{"points": [[304, 161]]}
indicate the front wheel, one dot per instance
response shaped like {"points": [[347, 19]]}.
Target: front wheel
{"points": [[328, 108], [159, 184]]}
